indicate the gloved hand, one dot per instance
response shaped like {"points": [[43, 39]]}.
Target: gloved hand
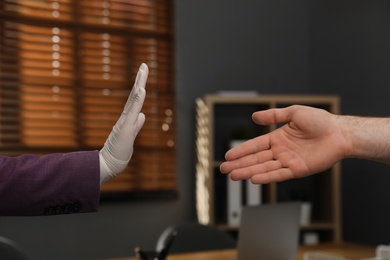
{"points": [[118, 148]]}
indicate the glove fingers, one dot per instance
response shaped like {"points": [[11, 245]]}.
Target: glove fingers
{"points": [[140, 83], [131, 117], [135, 100], [122, 141]]}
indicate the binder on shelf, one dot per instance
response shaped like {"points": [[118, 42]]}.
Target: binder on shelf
{"points": [[253, 193], [234, 198], [240, 193]]}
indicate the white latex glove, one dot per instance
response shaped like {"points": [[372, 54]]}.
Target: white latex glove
{"points": [[118, 148]]}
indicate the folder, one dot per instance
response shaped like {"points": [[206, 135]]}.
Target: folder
{"points": [[253, 193], [234, 198]]}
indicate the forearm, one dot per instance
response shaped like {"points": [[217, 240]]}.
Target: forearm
{"points": [[368, 137]]}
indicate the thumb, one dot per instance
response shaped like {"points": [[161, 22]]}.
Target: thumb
{"points": [[274, 116], [140, 123]]}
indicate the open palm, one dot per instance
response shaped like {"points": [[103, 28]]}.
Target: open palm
{"points": [[310, 141]]}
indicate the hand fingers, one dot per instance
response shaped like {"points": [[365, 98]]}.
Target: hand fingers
{"points": [[266, 117], [267, 173], [139, 85], [278, 175], [136, 104], [131, 132], [246, 161], [136, 98], [257, 169], [251, 146], [132, 108]]}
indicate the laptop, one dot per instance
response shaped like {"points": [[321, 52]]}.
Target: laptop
{"points": [[269, 232]]}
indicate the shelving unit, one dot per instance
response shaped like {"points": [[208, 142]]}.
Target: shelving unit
{"points": [[218, 117]]}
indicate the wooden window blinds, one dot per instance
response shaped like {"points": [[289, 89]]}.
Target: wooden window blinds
{"points": [[66, 70]]}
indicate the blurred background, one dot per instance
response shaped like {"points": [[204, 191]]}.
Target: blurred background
{"points": [[338, 47]]}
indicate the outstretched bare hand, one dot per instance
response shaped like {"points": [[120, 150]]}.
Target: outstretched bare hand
{"points": [[310, 141]]}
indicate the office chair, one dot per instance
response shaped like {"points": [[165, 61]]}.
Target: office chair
{"points": [[9, 250], [191, 237], [314, 255], [383, 251]]}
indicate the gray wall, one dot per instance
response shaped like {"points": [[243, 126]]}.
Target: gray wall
{"points": [[272, 46], [350, 56]]}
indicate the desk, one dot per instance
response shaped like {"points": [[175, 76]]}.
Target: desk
{"points": [[348, 250]]}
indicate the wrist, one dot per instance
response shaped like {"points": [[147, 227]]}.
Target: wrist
{"points": [[347, 125], [368, 137]]}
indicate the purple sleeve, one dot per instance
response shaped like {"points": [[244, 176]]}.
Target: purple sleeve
{"points": [[49, 185]]}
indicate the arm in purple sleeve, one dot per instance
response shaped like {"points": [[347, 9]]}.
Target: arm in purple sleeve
{"points": [[49, 185]]}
